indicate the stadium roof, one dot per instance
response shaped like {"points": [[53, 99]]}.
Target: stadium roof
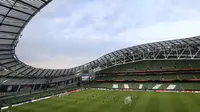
{"points": [[14, 16]]}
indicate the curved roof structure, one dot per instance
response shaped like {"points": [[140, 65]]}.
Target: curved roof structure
{"points": [[15, 15]]}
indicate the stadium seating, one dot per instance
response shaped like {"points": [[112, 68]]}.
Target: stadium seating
{"points": [[23, 98], [191, 86], [149, 86], [170, 77], [141, 77], [155, 77], [119, 78], [155, 65], [104, 78], [150, 77], [183, 77], [197, 76]]}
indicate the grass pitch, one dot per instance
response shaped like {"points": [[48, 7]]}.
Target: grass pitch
{"points": [[113, 101]]}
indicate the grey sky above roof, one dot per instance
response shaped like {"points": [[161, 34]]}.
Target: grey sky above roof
{"points": [[67, 33]]}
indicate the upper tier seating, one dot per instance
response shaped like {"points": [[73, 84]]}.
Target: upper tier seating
{"points": [[155, 65]]}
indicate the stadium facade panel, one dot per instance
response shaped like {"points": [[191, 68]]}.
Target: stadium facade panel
{"points": [[15, 15]]}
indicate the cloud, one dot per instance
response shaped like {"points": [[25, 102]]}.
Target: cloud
{"points": [[161, 31], [67, 33], [59, 62]]}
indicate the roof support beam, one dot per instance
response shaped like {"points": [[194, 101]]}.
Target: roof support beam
{"points": [[13, 17], [13, 71], [29, 5], [11, 8], [11, 25]]}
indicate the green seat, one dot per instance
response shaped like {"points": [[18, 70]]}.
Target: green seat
{"points": [[155, 65], [182, 77], [173, 77]]}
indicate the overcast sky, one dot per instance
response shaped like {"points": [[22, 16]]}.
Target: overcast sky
{"points": [[67, 33]]}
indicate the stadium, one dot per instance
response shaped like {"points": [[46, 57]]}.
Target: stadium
{"points": [[153, 77]]}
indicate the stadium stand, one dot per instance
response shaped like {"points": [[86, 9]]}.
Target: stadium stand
{"points": [[170, 77], [165, 65], [182, 77], [155, 65], [149, 77], [149, 86]]}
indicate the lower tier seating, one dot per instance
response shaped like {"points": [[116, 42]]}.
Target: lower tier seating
{"points": [[18, 99], [149, 86]]}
